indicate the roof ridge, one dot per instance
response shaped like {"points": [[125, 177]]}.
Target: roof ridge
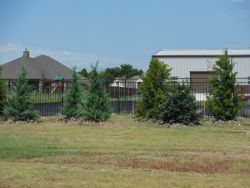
{"points": [[200, 52], [40, 67]]}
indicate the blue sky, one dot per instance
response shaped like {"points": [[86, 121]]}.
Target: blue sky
{"points": [[80, 32]]}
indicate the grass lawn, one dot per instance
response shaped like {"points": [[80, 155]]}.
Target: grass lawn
{"points": [[124, 153]]}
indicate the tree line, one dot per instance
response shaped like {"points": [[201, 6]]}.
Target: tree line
{"points": [[162, 99], [124, 71]]}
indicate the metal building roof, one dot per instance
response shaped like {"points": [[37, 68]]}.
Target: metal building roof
{"points": [[193, 53]]}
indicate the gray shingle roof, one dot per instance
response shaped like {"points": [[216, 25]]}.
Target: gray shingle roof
{"points": [[41, 67], [50, 68]]}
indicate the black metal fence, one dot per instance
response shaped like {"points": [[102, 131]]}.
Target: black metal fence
{"points": [[127, 95], [48, 97]]}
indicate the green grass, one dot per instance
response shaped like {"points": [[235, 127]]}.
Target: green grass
{"points": [[123, 153]]}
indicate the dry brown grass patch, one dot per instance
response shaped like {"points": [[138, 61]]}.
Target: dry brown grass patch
{"points": [[208, 168], [200, 162]]}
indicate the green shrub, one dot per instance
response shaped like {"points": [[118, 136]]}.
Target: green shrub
{"points": [[179, 106], [96, 104], [2, 93], [224, 99], [153, 88], [73, 97], [19, 106]]}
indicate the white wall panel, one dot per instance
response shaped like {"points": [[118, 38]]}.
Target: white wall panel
{"points": [[181, 66]]}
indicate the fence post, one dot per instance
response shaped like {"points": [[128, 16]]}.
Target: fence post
{"points": [[125, 94], [119, 105], [9, 86], [62, 89]]}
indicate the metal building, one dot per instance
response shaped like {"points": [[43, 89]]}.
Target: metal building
{"points": [[198, 63]]}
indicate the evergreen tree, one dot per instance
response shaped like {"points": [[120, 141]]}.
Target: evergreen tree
{"points": [[224, 99], [178, 105], [73, 97], [110, 74], [125, 70], [153, 88], [96, 104], [19, 106], [2, 93], [84, 73], [128, 71]]}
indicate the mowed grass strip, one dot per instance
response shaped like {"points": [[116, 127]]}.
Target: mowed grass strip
{"points": [[123, 153]]}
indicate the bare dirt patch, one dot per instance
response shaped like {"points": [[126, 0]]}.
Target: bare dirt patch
{"points": [[73, 121]]}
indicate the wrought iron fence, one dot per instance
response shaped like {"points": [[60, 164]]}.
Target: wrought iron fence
{"points": [[126, 94], [48, 98]]}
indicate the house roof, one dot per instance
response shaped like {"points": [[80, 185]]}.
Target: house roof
{"points": [[134, 78], [41, 67], [130, 83], [12, 69], [123, 78], [50, 68], [185, 53]]}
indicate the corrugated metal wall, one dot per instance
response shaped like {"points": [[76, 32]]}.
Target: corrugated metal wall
{"points": [[242, 66], [181, 66]]}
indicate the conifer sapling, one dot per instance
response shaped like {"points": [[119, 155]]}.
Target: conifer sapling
{"points": [[2, 93], [73, 97], [178, 105], [153, 87], [19, 106], [224, 99], [96, 106]]}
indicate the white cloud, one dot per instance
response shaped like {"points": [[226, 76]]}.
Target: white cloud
{"points": [[10, 47], [12, 51]]}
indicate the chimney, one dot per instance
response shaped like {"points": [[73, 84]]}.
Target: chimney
{"points": [[26, 53]]}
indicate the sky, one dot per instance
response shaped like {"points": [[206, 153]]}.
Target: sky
{"points": [[113, 32]]}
